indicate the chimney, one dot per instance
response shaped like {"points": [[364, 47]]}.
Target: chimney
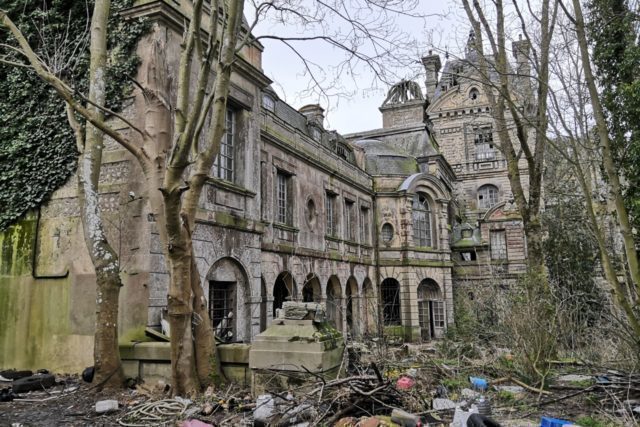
{"points": [[521, 52], [432, 66], [314, 114]]}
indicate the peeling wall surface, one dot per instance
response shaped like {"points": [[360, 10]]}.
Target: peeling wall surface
{"points": [[381, 225]]}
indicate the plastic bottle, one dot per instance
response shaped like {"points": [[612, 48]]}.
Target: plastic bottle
{"points": [[484, 407]]}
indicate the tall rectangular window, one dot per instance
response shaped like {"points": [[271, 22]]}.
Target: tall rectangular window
{"points": [[349, 220], [330, 214], [498, 245], [223, 165], [282, 199], [364, 225]]}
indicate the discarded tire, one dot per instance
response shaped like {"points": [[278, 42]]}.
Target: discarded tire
{"points": [[12, 374], [34, 382]]}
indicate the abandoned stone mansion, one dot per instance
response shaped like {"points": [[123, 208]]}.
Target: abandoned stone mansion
{"points": [[382, 225]]}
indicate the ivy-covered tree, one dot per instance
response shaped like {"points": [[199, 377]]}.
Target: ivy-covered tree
{"points": [[38, 148], [613, 31]]}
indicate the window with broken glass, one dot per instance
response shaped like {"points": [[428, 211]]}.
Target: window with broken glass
{"points": [[488, 196], [483, 141], [222, 307]]}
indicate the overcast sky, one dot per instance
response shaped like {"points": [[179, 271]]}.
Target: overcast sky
{"points": [[357, 108]]}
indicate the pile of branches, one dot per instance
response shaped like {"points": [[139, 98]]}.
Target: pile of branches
{"points": [[327, 401]]}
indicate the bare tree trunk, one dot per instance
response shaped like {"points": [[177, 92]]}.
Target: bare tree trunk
{"points": [[108, 368], [607, 155]]}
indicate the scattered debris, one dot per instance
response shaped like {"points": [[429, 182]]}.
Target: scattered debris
{"points": [[12, 374], [88, 373], [106, 406], [478, 383], [441, 404], [33, 382]]}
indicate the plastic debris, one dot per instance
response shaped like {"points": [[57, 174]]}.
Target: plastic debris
{"points": [[265, 409], [479, 383], [442, 404], [405, 383], [554, 422], [105, 406]]}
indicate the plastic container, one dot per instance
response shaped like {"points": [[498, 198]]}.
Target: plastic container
{"points": [[554, 422], [484, 407], [479, 383]]}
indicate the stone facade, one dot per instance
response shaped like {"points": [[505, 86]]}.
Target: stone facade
{"points": [[380, 226]]}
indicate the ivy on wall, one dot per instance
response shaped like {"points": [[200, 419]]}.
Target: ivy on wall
{"points": [[37, 146]]}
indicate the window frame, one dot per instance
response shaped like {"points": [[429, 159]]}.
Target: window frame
{"points": [[483, 142], [488, 199], [331, 222], [365, 234], [283, 198], [227, 149], [498, 253], [422, 221]]}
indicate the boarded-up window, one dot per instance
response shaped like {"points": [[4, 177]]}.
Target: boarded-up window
{"points": [[498, 245]]}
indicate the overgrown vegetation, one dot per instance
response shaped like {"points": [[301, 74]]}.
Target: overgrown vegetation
{"points": [[613, 33], [37, 146]]}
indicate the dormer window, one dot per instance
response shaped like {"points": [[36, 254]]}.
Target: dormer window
{"points": [[315, 133], [268, 103]]}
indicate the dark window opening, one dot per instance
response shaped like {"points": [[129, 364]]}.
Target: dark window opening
{"points": [[280, 295], [222, 308], [390, 292], [468, 256]]}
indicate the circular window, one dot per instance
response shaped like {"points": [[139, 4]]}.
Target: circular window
{"points": [[474, 94], [311, 212], [387, 232]]}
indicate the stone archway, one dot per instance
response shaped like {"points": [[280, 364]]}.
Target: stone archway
{"points": [[311, 291], [334, 302], [354, 319], [228, 294], [390, 294], [263, 304], [431, 310], [284, 289], [370, 308]]}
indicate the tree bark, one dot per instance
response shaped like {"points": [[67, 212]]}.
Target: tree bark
{"points": [[607, 154], [107, 364]]}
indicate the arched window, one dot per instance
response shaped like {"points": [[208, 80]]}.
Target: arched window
{"points": [[487, 196], [421, 221]]}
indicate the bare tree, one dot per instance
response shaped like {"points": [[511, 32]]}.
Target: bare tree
{"points": [[582, 138], [180, 164], [519, 113]]}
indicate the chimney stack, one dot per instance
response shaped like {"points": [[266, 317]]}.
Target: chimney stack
{"points": [[314, 114], [432, 66]]}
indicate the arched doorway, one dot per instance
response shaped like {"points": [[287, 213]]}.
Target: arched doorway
{"points": [[390, 294], [311, 291], [431, 310], [370, 308], [284, 289], [334, 302], [227, 294], [354, 319]]}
